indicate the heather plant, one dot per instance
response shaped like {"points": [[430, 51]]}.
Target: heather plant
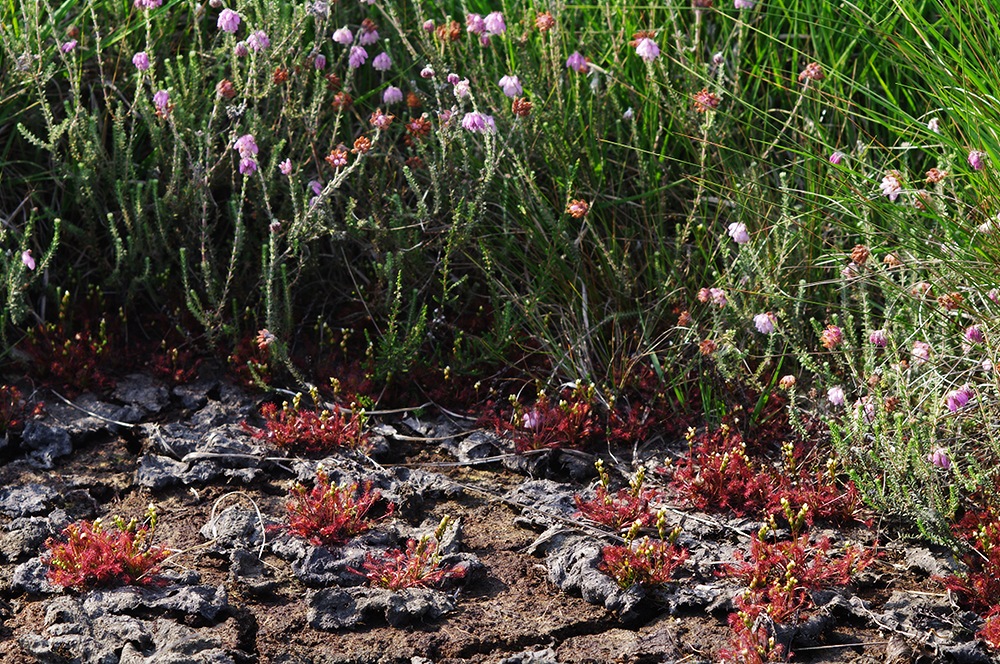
{"points": [[92, 554], [733, 196]]}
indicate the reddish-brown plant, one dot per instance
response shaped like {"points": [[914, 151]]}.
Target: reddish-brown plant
{"points": [[418, 566], [990, 633], [780, 575], [572, 422], [331, 514], [719, 475], [624, 508], [647, 562], [14, 410], [92, 556], [303, 431], [979, 588], [752, 642]]}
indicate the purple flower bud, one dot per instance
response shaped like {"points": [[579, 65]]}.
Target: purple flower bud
{"points": [[26, 258], [141, 61], [939, 458], [161, 100], [765, 322], [241, 50], [229, 21], [474, 23], [479, 122], [577, 63], [357, 57], [921, 352], [879, 338], [392, 95], [976, 159], [974, 335], [343, 36], [246, 145], [461, 89], [319, 61], [956, 399], [368, 37], [382, 62], [248, 166], [837, 157], [531, 420], [427, 72], [453, 78], [68, 46], [836, 396], [743, 4], [647, 49], [258, 41], [511, 86], [285, 167], [494, 23], [428, 26], [738, 231]]}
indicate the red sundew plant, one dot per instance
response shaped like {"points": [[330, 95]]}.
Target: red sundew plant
{"points": [[572, 422], [67, 358], [175, 365], [624, 508], [647, 562], [331, 514], [301, 431], [14, 410], [780, 575], [419, 566], [718, 476], [752, 643], [979, 588], [93, 556], [990, 633]]}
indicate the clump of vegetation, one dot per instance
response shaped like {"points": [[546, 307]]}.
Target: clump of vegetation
{"points": [[644, 561], [622, 509], [299, 430], [92, 555], [418, 566], [331, 514]]}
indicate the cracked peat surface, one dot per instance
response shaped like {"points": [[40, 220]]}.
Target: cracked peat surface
{"points": [[238, 588]]}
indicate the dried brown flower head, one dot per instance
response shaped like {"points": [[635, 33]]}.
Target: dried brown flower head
{"points": [[935, 175], [362, 145], [341, 101], [225, 89], [705, 101], [812, 72], [577, 208], [521, 107], [544, 22]]}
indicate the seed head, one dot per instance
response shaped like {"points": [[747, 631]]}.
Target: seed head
{"points": [[705, 101], [544, 22]]}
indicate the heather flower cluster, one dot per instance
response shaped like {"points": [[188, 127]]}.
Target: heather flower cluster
{"points": [[246, 147]]}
